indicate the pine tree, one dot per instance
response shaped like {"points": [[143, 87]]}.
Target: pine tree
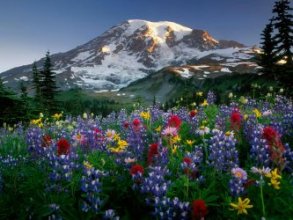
{"points": [[23, 90], [48, 86], [283, 23], [36, 82], [154, 101], [268, 58]]}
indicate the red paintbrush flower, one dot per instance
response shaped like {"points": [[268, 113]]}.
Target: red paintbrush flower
{"points": [[235, 120], [187, 160], [136, 122], [153, 150], [126, 124], [192, 113], [135, 169], [270, 134], [174, 121], [276, 147], [46, 140], [98, 134], [199, 209], [63, 147]]}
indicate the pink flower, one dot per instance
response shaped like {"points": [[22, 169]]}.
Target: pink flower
{"points": [[239, 173], [169, 131]]}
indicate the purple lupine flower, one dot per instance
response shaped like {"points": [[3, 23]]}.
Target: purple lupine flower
{"points": [[34, 140], [236, 184], [110, 215], [211, 97], [223, 154], [191, 162], [61, 169], [55, 215], [10, 161], [91, 188], [287, 123], [288, 155], [259, 149], [155, 183], [166, 208], [222, 116], [137, 141]]}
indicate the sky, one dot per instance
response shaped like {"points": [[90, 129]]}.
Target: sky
{"points": [[29, 28]]}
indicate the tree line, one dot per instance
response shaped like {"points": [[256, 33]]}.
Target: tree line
{"points": [[277, 44], [46, 98]]}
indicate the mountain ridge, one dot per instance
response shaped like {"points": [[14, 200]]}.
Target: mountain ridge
{"points": [[131, 51]]}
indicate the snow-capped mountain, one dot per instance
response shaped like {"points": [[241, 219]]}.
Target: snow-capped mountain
{"points": [[132, 50]]}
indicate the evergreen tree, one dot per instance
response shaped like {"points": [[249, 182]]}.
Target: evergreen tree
{"points": [[11, 110], [283, 22], [24, 103], [23, 90], [154, 101], [268, 58], [36, 82], [48, 88]]}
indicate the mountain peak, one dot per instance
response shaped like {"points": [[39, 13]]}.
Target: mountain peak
{"points": [[130, 51], [160, 28]]}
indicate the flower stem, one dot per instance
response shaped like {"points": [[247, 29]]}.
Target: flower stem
{"points": [[262, 199], [205, 150]]}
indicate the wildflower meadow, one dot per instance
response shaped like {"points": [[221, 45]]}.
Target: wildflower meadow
{"points": [[203, 161]]}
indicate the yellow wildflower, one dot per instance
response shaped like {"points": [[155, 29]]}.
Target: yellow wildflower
{"points": [[243, 100], [116, 137], [145, 115], [115, 150], [174, 149], [57, 116], [241, 206], [245, 116], [36, 121], [84, 115], [176, 139], [189, 142], [87, 165], [204, 122], [256, 112], [122, 144], [70, 128], [275, 177], [199, 94], [205, 103], [158, 129], [229, 133], [193, 104]]}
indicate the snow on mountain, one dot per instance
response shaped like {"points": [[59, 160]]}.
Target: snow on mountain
{"points": [[132, 50]]}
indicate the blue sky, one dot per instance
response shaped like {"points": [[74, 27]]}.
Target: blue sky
{"points": [[28, 28]]}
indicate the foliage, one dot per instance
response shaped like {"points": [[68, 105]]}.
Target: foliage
{"points": [[152, 163]]}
